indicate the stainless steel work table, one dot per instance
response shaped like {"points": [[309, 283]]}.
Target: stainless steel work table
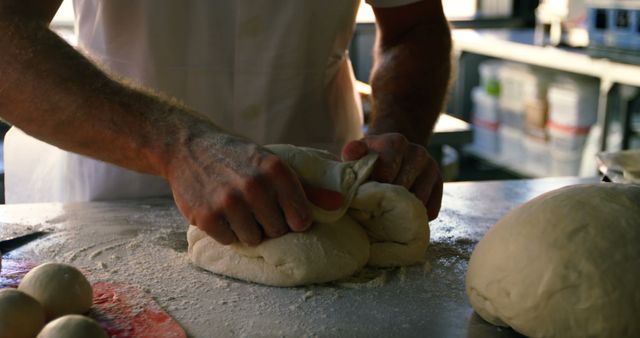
{"points": [[142, 243]]}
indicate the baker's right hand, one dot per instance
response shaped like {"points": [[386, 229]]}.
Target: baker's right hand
{"points": [[233, 189]]}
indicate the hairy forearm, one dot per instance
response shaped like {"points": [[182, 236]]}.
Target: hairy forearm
{"points": [[410, 80], [53, 93]]}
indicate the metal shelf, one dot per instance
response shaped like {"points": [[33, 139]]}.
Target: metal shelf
{"points": [[518, 45]]}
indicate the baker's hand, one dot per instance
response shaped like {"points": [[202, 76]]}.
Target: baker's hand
{"points": [[404, 163], [235, 190]]}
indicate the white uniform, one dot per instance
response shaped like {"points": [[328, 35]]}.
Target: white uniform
{"points": [[275, 71]]}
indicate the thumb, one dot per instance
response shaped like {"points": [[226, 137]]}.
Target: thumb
{"points": [[354, 150], [323, 198]]}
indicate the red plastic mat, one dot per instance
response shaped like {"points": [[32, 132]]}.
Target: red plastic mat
{"points": [[122, 310]]}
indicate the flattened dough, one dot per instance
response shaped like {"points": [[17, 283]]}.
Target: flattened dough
{"points": [[565, 264], [337, 245]]}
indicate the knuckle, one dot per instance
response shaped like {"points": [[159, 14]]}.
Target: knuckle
{"points": [[419, 154], [252, 185], [218, 229], [431, 162], [423, 162], [228, 199], [273, 165], [398, 141], [205, 218]]}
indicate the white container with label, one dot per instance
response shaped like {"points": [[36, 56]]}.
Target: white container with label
{"points": [[511, 147], [573, 101], [485, 106], [567, 139], [519, 84], [538, 155], [485, 122]]}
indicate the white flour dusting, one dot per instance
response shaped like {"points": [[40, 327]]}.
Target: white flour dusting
{"points": [[145, 246]]}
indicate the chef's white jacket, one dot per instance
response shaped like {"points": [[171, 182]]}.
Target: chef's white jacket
{"points": [[275, 71]]}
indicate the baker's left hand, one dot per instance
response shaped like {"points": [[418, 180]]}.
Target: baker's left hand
{"points": [[404, 163]]}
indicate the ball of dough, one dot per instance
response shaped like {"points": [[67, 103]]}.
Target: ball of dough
{"points": [[21, 316], [60, 288], [566, 263], [396, 222], [72, 326]]}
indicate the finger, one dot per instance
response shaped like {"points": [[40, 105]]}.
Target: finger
{"points": [[391, 149], [435, 200], [323, 198], [271, 221], [265, 210], [241, 220], [216, 226], [428, 189], [289, 193], [415, 161], [354, 150]]}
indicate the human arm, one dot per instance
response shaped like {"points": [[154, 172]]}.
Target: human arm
{"points": [[227, 185], [410, 76]]}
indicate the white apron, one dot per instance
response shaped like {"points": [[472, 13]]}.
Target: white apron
{"points": [[273, 71]]}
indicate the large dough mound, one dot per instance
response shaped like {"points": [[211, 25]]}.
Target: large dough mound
{"points": [[565, 264], [386, 226]]}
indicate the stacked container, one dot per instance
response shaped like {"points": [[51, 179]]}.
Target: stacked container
{"points": [[523, 108], [486, 113], [536, 139], [573, 106]]}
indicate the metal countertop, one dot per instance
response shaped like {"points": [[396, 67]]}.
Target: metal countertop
{"points": [[143, 243]]}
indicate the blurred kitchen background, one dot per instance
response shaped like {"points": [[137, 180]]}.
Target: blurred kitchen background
{"points": [[540, 87]]}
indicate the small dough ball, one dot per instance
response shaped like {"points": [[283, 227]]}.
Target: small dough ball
{"points": [[565, 264], [73, 326], [60, 288], [21, 316]]}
